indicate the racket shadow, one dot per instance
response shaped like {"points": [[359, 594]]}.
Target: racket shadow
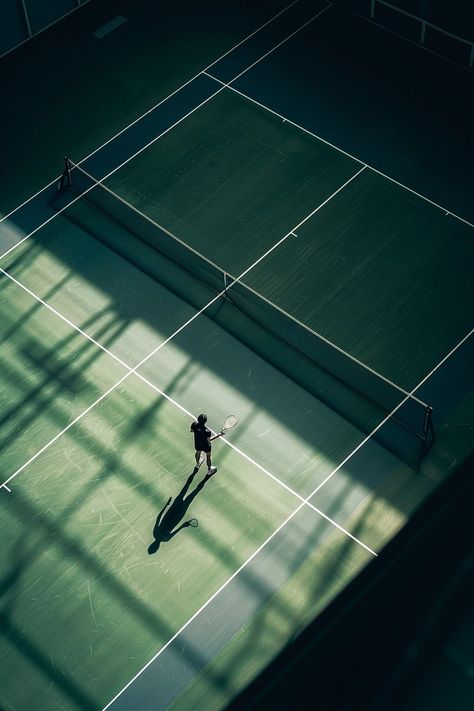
{"points": [[168, 522]]}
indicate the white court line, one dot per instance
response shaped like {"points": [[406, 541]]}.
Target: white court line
{"points": [[279, 43], [78, 197], [340, 350], [453, 350], [303, 502], [260, 296], [159, 136], [208, 602], [169, 338], [203, 607], [142, 116], [331, 145], [132, 370], [130, 158], [32, 197]]}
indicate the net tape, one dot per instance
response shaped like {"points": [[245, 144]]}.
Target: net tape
{"points": [[358, 393]]}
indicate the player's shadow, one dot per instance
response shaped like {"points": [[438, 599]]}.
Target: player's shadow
{"points": [[166, 525]]}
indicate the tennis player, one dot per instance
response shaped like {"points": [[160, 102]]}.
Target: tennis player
{"points": [[202, 442]]}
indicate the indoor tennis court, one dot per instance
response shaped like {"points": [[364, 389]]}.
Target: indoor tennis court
{"points": [[215, 255]]}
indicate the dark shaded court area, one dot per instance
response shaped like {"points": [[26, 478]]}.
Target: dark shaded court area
{"points": [[255, 210]]}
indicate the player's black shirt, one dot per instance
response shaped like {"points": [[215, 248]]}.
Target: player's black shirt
{"points": [[201, 437]]}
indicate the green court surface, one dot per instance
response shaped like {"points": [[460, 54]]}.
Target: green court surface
{"points": [[323, 574], [99, 86], [373, 296], [286, 430], [49, 375], [80, 516], [397, 296], [77, 529], [232, 180], [121, 321], [203, 367], [94, 287]]}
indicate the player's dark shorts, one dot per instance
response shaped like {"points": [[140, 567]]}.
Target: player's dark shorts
{"points": [[205, 449]]}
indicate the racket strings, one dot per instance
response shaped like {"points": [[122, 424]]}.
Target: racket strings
{"points": [[230, 421]]}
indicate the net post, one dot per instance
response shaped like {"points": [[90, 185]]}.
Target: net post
{"points": [[423, 32], [66, 175], [225, 292], [428, 429]]}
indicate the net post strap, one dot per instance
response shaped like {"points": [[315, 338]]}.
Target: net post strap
{"points": [[428, 428], [65, 179]]}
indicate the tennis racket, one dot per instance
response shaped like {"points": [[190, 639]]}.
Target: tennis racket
{"points": [[229, 422], [193, 522]]}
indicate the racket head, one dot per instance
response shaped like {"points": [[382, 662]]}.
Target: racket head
{"points": [[193, 522], [229, 422]]}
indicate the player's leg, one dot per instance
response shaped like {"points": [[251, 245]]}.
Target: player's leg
{"points": [[210, 468]]}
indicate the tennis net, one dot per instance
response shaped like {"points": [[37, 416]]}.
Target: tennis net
{"points": [[356, 392]]}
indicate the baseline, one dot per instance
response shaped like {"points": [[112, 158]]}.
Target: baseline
{"points": [[332, 145], [97, 161], [155, 106]]}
